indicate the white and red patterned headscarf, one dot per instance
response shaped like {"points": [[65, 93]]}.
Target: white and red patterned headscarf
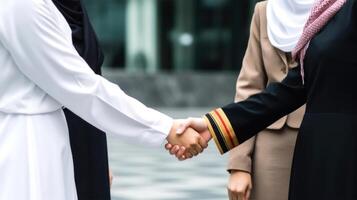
{"points": [[321, 13]]}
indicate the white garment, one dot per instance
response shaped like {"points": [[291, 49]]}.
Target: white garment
{"points": [[286, 20], [40, 72]]}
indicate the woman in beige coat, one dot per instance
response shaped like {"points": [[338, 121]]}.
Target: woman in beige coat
{"points": [[261, 166]]}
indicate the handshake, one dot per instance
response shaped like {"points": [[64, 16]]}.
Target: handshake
{"points": [[188, 138]]}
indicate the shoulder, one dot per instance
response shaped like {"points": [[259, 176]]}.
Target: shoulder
{"points": [[22, 8], [259, 15], [24, 12], [15, 5], [24, 18], [260, 7], [259, 19]]}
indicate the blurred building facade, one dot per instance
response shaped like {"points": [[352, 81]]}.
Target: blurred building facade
{"points": [[172, 35]]}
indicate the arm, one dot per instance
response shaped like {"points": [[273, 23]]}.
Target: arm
{"points": [[239, 185], [252, 80], [237, 122], [45, 55]]}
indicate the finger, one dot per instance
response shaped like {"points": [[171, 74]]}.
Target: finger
{"points": [[198, 149], [247, 196], [171, 151], [230, 195], [240, 196], [168, 146], [202, 143], [182, 158], [183, 126], [174, 150], [198, 124], [233, 195], [206, 135], [111, 178], [180, 152], [192, 151], [188, 155], [247, 193]]}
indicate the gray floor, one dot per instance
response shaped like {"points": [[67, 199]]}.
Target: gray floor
{"points": [[143, 173]]}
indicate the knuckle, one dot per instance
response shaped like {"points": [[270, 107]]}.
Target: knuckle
{"points": [[190, 119], [236, 190], [229, 188], [235, 193], [240, 191]]}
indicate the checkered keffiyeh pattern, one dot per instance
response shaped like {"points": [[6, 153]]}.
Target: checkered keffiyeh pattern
{"points": [[321, 13]]}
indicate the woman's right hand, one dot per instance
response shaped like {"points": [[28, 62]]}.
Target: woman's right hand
{"points": [[198, 125], [239, 185]]}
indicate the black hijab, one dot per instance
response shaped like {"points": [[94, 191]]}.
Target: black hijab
{"points": [[83, 35], [89, 145]]}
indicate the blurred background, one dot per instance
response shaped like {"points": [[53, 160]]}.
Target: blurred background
{"points": [[181, 57]]}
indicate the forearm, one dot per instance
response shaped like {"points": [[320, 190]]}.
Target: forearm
{"points": [[57, 69], [237, 122], [240, 158]]}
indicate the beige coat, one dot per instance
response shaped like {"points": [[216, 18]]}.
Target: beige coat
{"points": [[268, 155]]}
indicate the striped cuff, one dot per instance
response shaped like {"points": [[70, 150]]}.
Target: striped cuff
{"points": [[221, 130]]}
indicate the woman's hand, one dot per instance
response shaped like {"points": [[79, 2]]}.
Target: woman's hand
{"points": [[111, 178], [189, 139], [239, 185], [197, 124]]}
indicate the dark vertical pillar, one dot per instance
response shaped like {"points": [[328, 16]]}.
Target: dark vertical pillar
{"points": [[241, 22]]}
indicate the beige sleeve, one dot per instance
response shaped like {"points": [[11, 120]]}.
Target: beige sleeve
{"points": [[252, 79]]}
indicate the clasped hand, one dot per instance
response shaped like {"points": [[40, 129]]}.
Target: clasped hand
{"points": [[188, 138]]}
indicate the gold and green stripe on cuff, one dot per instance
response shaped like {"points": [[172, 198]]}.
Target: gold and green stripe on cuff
{"points": [[221, 130]]}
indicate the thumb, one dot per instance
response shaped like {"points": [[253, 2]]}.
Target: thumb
{"points": [[206, 135], [183, 126], [168, 146], [248, 194], [203, 143]]}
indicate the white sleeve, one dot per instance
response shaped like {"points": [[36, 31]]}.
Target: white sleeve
{"points": [[47, 57]]}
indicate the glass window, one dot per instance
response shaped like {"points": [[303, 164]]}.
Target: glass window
{"points": [[172, 35]]}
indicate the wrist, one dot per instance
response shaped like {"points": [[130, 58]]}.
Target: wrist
{"points": [[173, 136], [172, 130], [232, 171], [238, 171]]}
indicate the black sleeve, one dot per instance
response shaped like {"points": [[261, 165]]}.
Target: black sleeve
{"points": [[237, 122]]}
